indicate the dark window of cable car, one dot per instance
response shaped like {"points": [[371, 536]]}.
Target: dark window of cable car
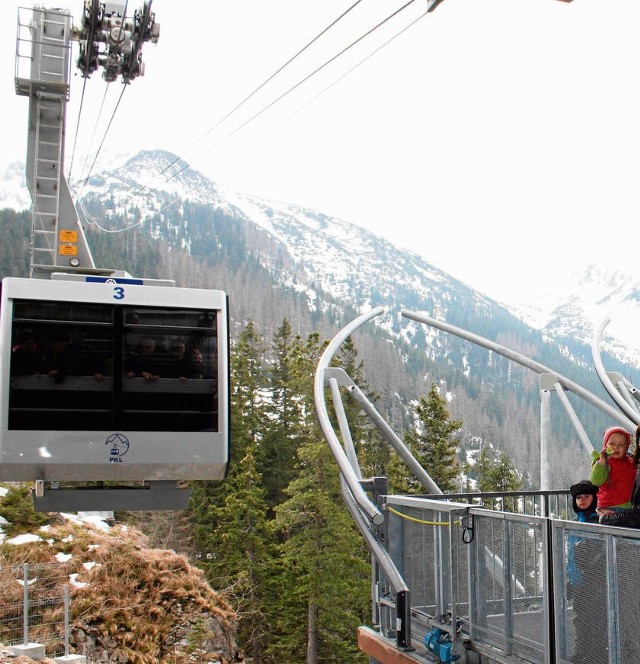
{"points": [[82, 366]]}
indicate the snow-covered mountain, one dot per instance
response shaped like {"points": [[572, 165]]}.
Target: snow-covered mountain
{"points": [[349, 262], [599, 303], [13, 187], [322, 253], [280, 261]]}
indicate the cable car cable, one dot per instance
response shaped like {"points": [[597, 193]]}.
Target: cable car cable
{"points": [[286, 64], [104, 137], [241, 103], [349, 71], [271, 77], [144, 24], [124, 14], [93, 221], [126, 80], [77, 131], [370, 31], [299, 83], [93, 135], [93, 18], [302, 81]]}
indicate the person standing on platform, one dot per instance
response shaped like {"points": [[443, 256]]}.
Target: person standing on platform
{"points": [[613, 471]]}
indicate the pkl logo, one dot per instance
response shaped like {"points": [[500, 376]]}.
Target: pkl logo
{"points": [[119, 446]]}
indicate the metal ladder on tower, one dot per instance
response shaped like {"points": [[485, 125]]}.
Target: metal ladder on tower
{"points": [[49, 110], [43, 57]]}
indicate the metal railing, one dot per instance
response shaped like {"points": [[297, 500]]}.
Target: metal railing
{"points": [[497, 583], [489, 581]]}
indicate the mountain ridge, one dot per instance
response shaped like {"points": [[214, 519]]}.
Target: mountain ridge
{"points": [[577, 307], [278, 260]]}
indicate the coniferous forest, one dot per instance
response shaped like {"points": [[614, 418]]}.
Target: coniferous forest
{"points": [[275, 537], [211, 247]]}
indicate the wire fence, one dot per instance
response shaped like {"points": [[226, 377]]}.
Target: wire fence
{"points": [[34, 606]]}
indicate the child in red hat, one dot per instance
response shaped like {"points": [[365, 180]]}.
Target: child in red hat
{"points": [[614, 471]]}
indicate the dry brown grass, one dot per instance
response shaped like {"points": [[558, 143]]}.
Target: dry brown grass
{"points": [[137, 601]]}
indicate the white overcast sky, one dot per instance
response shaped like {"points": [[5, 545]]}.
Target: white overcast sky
{"points": [[500, 139]]}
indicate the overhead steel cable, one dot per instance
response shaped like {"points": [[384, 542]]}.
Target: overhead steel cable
{"points": [[90, 42], [121, 28], [246, 99], [377, 26], [337, 80], [77, 130], [104, 137], [299, 83], [94, 221], [144, 24], [93, 134]]}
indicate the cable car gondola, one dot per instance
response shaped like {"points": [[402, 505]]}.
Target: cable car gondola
{"points": [[104, 378], [112, 379]]}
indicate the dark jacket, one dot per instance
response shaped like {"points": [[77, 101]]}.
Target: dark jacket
{"points": [[589, 515]]}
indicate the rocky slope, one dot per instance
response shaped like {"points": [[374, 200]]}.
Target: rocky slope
{"points": [[128, 602]]}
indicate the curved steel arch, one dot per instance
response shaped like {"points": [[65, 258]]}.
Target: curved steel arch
{"points": [[606, 381], [520, 359]]}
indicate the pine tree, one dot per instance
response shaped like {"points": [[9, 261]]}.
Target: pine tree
{"points": [[240, 557], [277, 455], [496, 473], [14, 246], [230, 528], [433, 444], [247, 383], [323, 567]]}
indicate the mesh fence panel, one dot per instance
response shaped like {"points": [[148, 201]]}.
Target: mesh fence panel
{"points": [[509, 597], [41, 608], [598, 606], [627, 566], [422, 542], [484, 571]]}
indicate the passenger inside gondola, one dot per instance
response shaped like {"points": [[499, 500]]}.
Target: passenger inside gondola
{"points": [[60, 358], [197, 367], [177, 364], [145, 363], [84, 368], [26, 358]]}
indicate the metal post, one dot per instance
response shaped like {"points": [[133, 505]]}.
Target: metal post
{"points": [[545, 435], [25, 600], [507, 589], [549, 595], [403, 626], [66, 620], [347, 440], [379, 487]]}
